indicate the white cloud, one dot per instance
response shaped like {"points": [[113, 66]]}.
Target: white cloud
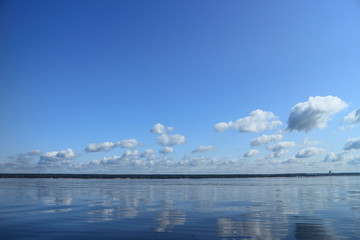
{"points": [[279, 149], [265, 139], [56, 158], [166, 150], [352, 143], [251, 153], [314, 113], [172, 140], [309, 152], [97, 147], [258, 120], [161, 129], [129, 158], [128, 143], [106, 146], [207, 148], [59, 155], [353, 117]]}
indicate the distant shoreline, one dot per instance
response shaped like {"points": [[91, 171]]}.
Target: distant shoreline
{"points": [[168, 176]]}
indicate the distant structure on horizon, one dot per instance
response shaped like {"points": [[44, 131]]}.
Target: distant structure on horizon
{"points": [[329, 172]]}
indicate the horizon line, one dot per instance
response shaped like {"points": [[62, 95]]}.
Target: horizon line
{"points": [[168, 176]]}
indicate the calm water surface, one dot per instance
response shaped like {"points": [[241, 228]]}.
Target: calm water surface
{"points": [[265, 208]]}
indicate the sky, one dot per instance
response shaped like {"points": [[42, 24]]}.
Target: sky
{"points": [[179, 86]]}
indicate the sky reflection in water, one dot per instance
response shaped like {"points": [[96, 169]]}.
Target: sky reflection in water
{"points": [[272, 208]]}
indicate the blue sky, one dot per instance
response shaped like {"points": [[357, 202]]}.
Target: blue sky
{"points": [[84, 82]]}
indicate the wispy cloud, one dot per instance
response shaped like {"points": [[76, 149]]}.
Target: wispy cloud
{"points": [[352, 144], [207, 148], [352, 118], [252, 153]]}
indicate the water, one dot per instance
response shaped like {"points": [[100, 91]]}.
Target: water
{"points": [[264, 208]]}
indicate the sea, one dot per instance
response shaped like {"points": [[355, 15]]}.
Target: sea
{"points": [[326, 207]]}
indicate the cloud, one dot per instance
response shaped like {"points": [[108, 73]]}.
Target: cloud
{"points": [[129, 158], [97, 147], [128, 143], [314, 113], [306, 142], [149, 154], [352, 143], [279, 149], [353, 117], [106, 146], [336, 157], [59, 155], [34, 153], [258, 120], [207, 148], [265, 139], [292, 160], [161, 129], [166, 150], [310, 152], [197, 161], [343, 156], [172, 140], [280, 146], [56, 157], [164, 139], [251, 153]]}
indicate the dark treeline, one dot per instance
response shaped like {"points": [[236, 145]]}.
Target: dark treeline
{"points": [[166, 176]]}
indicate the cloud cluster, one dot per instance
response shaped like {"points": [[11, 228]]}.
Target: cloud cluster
{"points": [[148, 154], [314, 113], [21, 161], [164, 139], [279, 149], [265, 139], [207, 148], [55, 158], [310, 152], [106, 146], [257, 121], [336, 157], [129, 158]]}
